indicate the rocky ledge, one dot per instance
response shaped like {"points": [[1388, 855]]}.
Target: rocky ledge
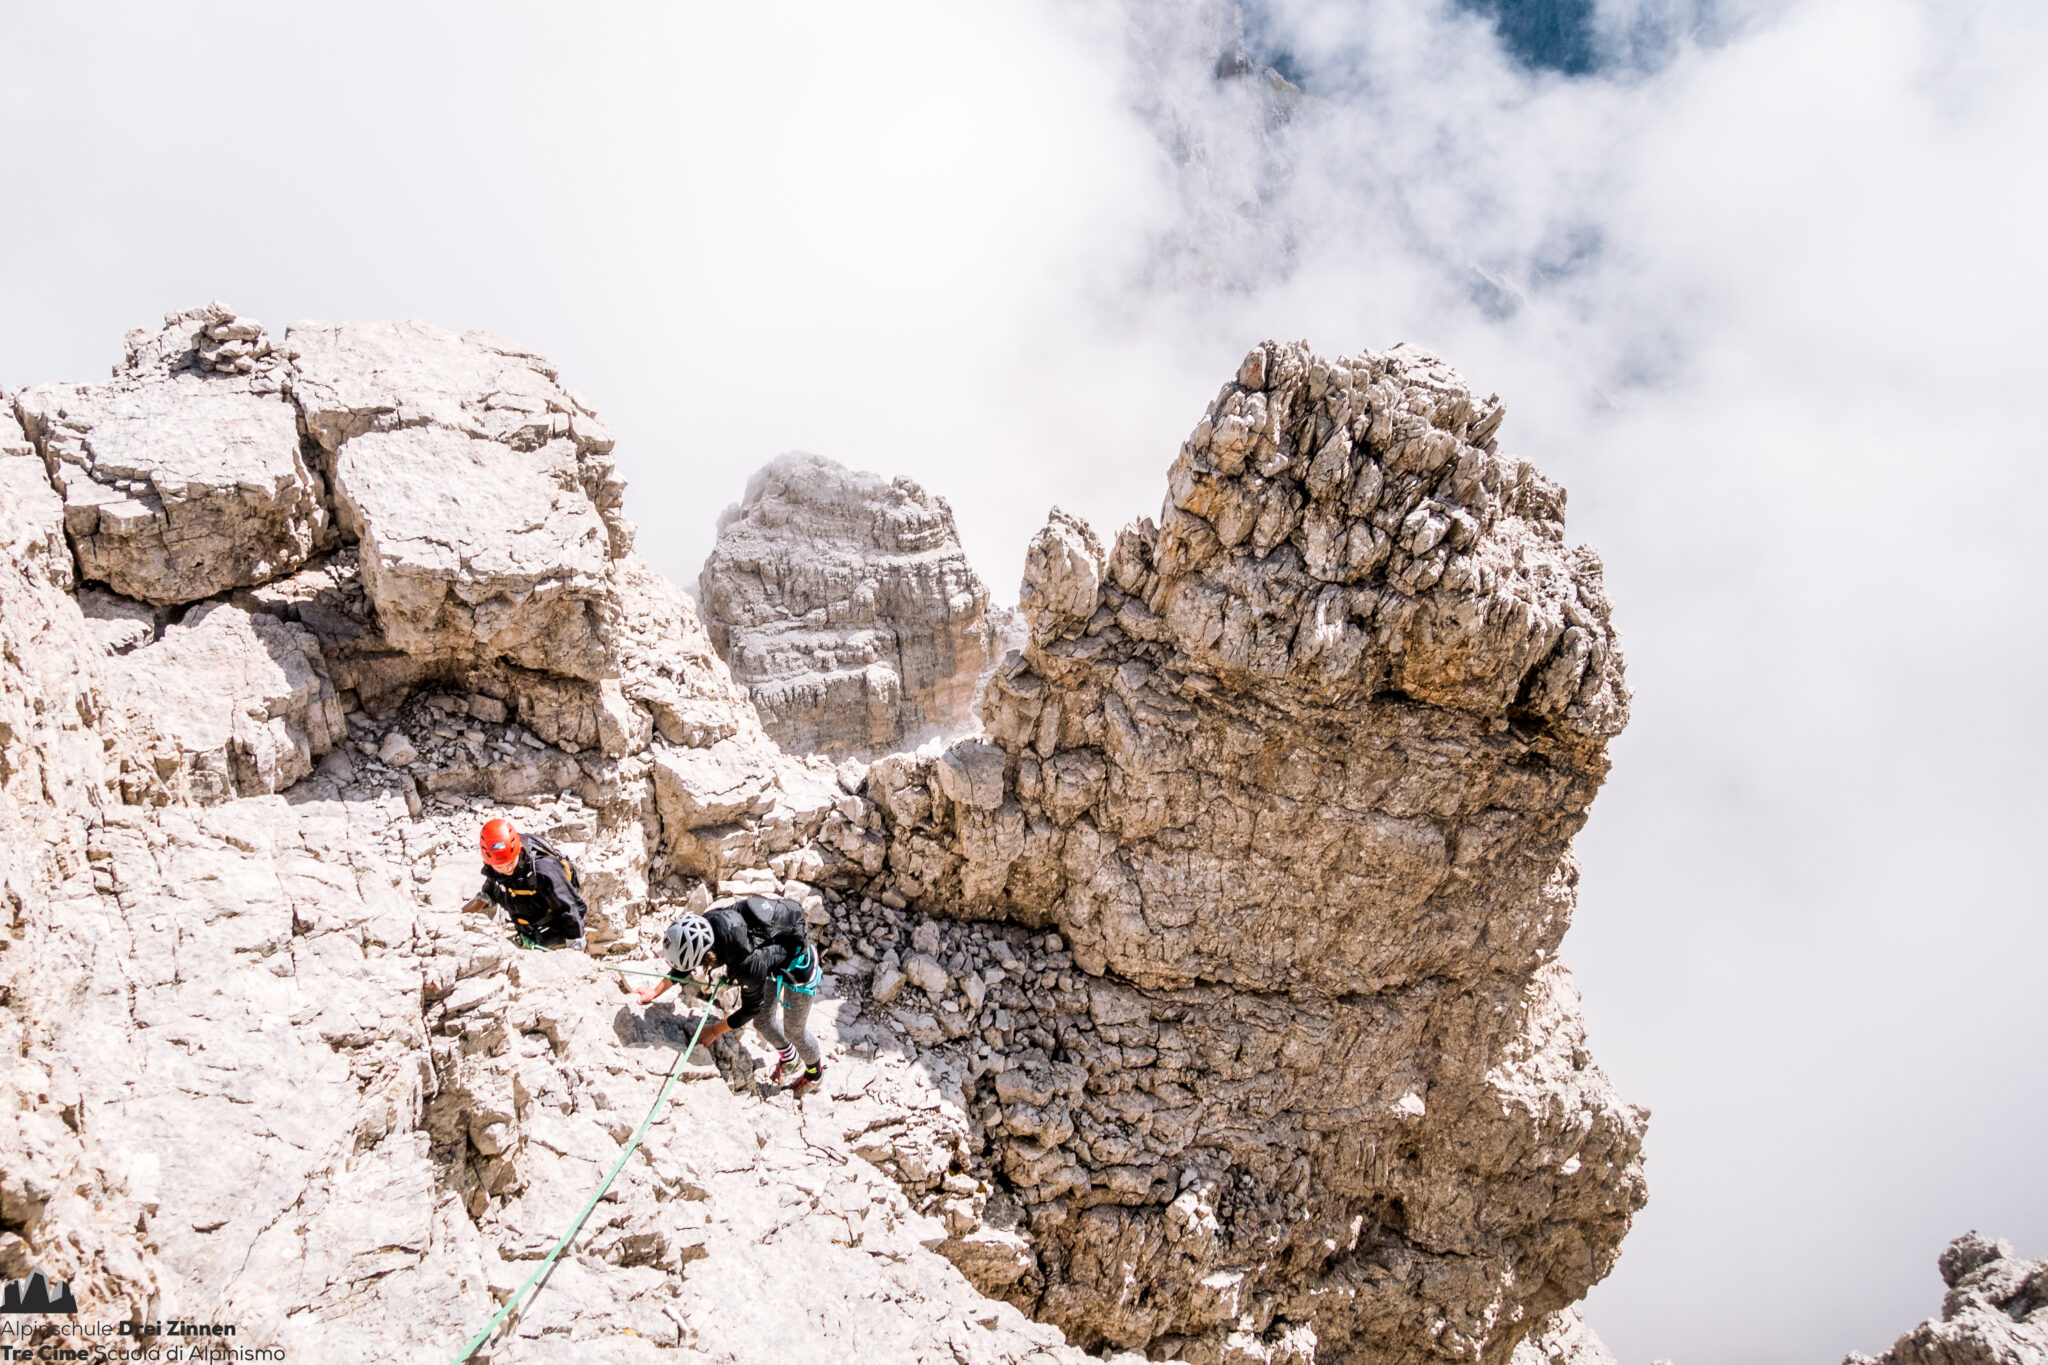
{"points": [[1205, 1004]]}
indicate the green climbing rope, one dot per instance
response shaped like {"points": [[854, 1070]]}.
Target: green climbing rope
{"points": [[577, 1226], [635, 971], [665, 976]]}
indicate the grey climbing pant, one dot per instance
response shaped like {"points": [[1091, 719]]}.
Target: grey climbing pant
{"points": [[795, 1010]]}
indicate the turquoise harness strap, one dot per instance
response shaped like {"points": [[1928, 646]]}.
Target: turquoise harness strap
{"points": [[806, 961]]}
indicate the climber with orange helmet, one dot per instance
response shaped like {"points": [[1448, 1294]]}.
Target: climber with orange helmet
{"points": [[530, 880]]}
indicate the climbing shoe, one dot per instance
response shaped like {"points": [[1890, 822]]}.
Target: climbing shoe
{"points": [[808, 1081], [787, 1067]]}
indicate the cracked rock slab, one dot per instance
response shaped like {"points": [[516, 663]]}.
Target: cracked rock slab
{"points": [[177, 485], [233, 703], [468, 547], [482, 493]]}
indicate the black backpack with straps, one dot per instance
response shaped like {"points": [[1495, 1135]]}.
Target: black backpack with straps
{"points": [[775, 920], [779, 921], [542, 848]]}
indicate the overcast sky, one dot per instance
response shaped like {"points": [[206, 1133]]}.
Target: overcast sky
{"points": [[1760, 282]]}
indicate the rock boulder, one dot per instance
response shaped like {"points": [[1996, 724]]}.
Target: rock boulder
{"points": [[482, 493], [233, 703], [180, 479]]}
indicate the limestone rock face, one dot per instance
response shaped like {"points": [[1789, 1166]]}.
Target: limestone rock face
{"points": [[1996, 1311], [38, 512], [181, 478], [1294, 774], [1206, 1004], [845, 606], [263, 1069], [482, 493], [64, 1207], [236, 704]]}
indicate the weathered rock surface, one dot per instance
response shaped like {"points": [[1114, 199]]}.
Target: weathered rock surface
{"points": [[182, 478], [1294, 775], [402, 1114], [227, 703], [1208, 1004], [63, 1207], [36, 528], [1995, 1313], [843, 603], [482, 492]]}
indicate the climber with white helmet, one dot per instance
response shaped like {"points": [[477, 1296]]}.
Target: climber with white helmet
{"points": [[763, 943], [528, 878]]}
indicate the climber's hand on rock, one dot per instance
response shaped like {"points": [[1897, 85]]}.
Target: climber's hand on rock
{"points": [[647, 995]]}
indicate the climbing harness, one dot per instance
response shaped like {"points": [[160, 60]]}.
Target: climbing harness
{"points": [[807, 963], [575, 1227]]}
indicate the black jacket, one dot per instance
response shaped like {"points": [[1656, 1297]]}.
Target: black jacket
{"points": [[758, 940], [539, 892]]}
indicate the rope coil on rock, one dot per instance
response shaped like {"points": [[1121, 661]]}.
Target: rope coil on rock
{"points": [[576, 1226]]}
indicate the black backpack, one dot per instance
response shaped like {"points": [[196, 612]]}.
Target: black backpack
{"points": [[775, 920], [542, 848]]}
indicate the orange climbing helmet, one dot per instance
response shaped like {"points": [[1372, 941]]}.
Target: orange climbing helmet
{"points": [[500, 844]]}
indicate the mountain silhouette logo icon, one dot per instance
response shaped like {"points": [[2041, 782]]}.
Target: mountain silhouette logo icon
{"points": [[37, 1294]]}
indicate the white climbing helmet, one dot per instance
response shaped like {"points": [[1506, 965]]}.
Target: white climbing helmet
{"points": [[686, 942]]}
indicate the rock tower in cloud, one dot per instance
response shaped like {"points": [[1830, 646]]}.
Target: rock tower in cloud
{"points": [[844, 605], [1995, 1312]]}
